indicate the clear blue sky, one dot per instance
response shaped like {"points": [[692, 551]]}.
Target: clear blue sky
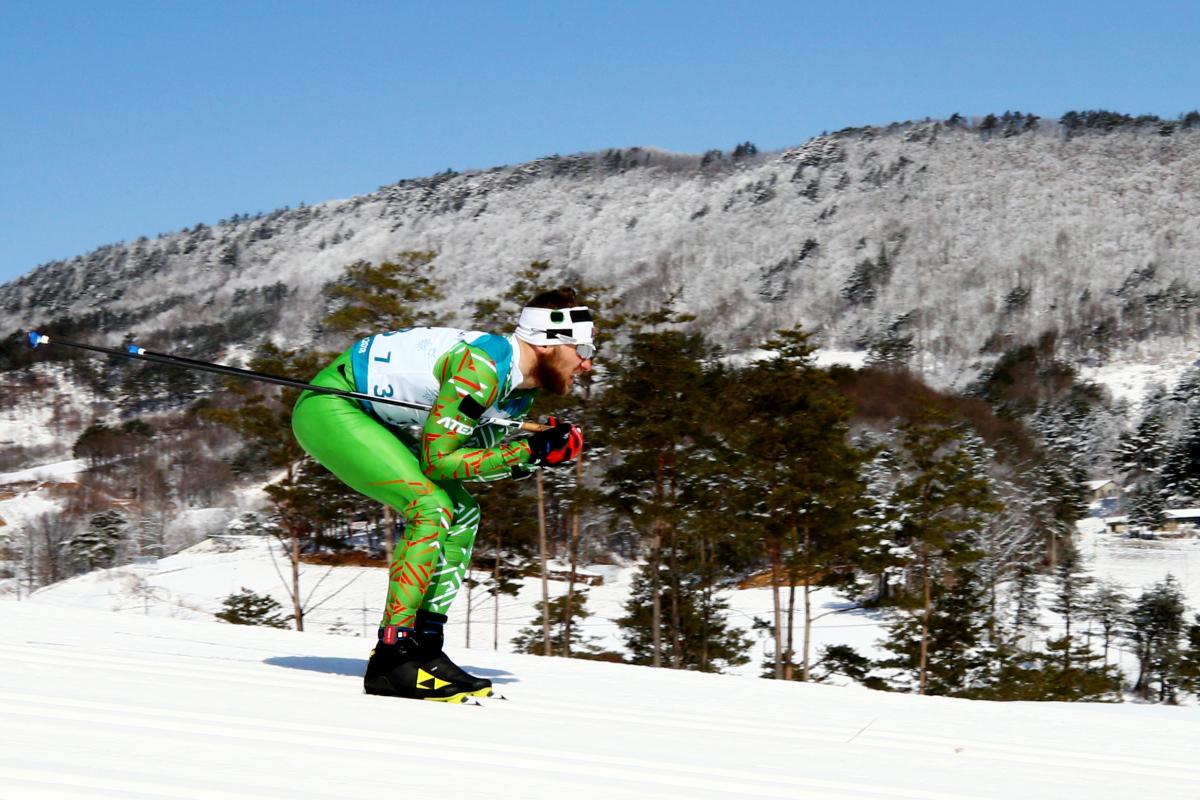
{"points": [[123, 118]]}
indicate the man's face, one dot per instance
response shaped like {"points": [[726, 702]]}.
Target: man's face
{"points": [[556, 370]]}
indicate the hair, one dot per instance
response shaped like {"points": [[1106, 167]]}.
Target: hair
{"points": [[563, 297]]}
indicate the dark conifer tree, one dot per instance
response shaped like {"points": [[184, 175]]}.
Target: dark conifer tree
{"points": [[1181, 465], [946, 652], [941, 499], [567, 635], [657, 419], [1107, 607], [1141, 454], [1069, 601], [1070, 671], [696, 626], [97, 546], [376, 298], [787, 427], [1155, 625], [1189, 660], [250, 608], [1025, 624]]}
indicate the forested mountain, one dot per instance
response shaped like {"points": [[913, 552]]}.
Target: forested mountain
{"points": [[940, 243], [975, 265]]}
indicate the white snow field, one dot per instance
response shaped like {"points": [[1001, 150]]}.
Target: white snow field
{"points": [[100, 704]]}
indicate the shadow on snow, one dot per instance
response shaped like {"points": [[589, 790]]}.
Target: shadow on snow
{"points": [[354, 667]]}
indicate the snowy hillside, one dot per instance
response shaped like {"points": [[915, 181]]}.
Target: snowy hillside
{"points": [[119, 683], [346, 600], [98, 704], [954, 236]]}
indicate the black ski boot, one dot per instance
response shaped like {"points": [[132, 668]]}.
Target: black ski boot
{"points": [[398, 667], [430, 634]]}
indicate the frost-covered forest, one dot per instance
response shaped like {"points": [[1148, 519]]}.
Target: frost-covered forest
{"points": [[943, 240], [979, 266]]}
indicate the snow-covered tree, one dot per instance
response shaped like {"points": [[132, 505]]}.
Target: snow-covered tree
{"points": [[944, 496], [97, 545], [1154, 627]]}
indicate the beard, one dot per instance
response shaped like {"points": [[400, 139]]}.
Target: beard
{"points": [[551, 378]]}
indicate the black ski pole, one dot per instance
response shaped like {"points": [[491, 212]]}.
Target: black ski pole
{"points": [[140, 353]]}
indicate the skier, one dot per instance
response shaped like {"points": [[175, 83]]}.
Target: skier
{"points": [[417, 461]]}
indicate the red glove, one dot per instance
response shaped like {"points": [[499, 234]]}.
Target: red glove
{"points": [[560, 444]]}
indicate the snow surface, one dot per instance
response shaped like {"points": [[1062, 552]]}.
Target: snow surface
{"points": [[58, 471], [120, 684], [347, 600], [1131, 381], [99, 704], [1138, 563]]}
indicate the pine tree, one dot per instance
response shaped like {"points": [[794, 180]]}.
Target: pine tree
{"points": [[878, 525], [942, 498], [1069, 601], [1025, 624], [697, 626], [944, 652], [1071, 669], [1189, 661], [1141, 454], [494, 313], [787, 428], [375, 298], [250, 608], [97, 545], [1155, 625], [1145, 504], [1107, 607], [1070, 672], [1181, 467], [841, 660], [1056, 502], [566, 637], [655, 407]]}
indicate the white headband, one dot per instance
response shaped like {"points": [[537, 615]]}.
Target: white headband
{"points": [[544, 326]]}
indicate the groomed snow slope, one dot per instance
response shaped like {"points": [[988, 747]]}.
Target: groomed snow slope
{"points": [[95, 704]]}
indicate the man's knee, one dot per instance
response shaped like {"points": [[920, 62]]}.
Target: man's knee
{"points": [[431, 508]]}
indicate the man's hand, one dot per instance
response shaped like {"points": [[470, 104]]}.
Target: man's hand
{"points": [[561, 444]]}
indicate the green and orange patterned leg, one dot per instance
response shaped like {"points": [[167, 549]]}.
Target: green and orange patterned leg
{"points": [[416, 559], [455, 556], [365, 455]]}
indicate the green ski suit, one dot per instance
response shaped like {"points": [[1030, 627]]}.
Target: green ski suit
{"points": [[416, 461]]}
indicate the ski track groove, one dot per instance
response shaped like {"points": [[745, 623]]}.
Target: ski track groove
{"points": [[877, 736], [45, 785], [320, 682], [730, 782], [185, 668]]}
